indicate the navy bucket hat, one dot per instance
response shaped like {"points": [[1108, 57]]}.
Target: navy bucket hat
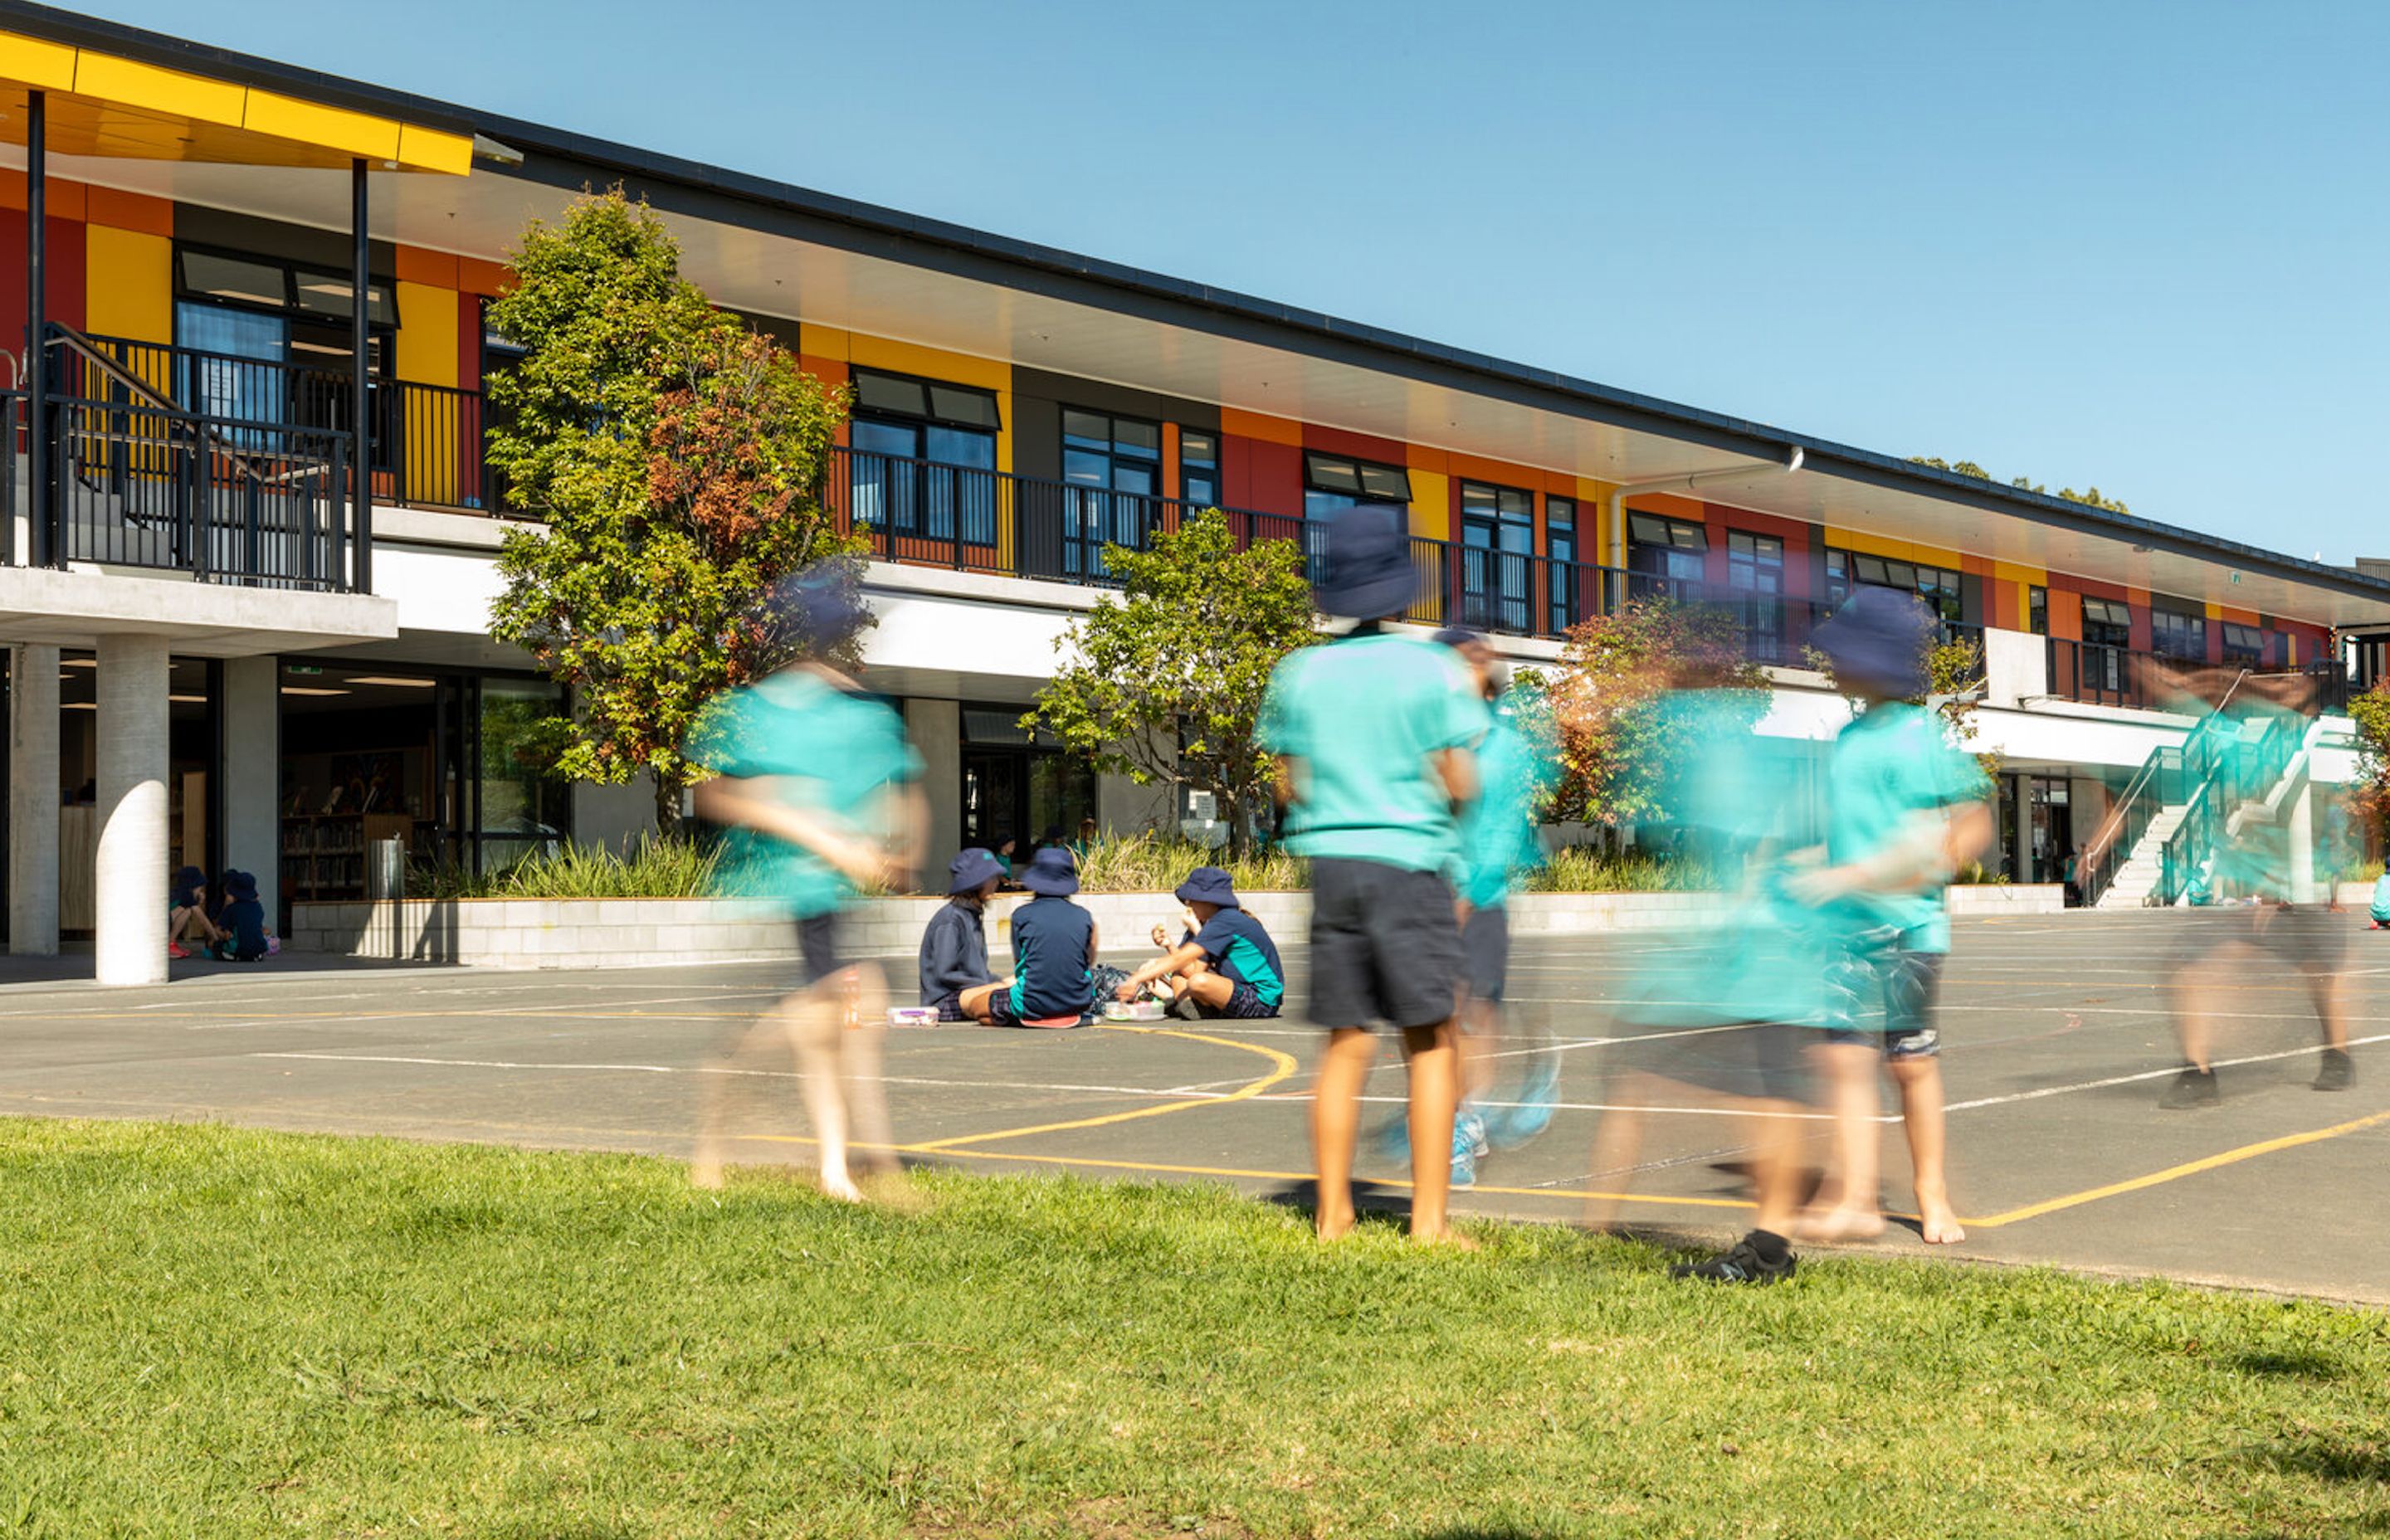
{"points": [[1368, 574], [1051, 873], [240, 887], [1879, 638], [816, 611], [1208, 885], [973, 870]]}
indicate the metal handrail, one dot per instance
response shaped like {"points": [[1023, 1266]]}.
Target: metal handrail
{"points": [[154, 400]]}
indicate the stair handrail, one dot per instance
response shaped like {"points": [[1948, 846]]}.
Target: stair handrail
{"points": [[2094, 872], [156, 401]]}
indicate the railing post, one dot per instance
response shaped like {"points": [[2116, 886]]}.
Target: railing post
{"points": [[360, 286], [40, 531]]}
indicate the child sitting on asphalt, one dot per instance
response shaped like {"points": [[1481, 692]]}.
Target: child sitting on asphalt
{"points": [[1225, 967], [186, 915], [955, 977], [1053, 953], [2380, 912], [242, 920]]}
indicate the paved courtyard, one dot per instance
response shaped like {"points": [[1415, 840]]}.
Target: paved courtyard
{"points": [[2058, 1047]]}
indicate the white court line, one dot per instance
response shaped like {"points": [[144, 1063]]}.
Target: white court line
{"points": [[2147, 1074]]}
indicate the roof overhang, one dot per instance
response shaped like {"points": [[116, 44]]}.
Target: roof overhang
{"points": [[783, 251]]}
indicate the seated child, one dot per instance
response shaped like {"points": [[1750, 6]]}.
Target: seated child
{"points": [[1053, 953], [242, 921], [2380, 909], [186, 914], [954, 948], [1227, 967]]}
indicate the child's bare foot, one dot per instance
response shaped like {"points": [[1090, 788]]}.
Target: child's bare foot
{"points": [[1334, 1226], [841, 1185], [705, 1171], [1939, 1223], [1447, 1239], [1841, 1224]]}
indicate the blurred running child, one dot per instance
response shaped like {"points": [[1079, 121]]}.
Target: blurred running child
{"points": [[1497, 847], [954, 946], [2380, 913], [1054, 946], [1371, 734], [821, 794], [1904, 809], [1225, 967]]}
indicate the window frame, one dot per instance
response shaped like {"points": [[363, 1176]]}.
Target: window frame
{"points": [[1845, 569], [2166, 621], [2253, 652], [1754, 564], [930, 416], [2121, 619], [1359, 495], [2037, 609], [1210, 468]]}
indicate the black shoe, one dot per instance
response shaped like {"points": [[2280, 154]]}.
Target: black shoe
{"points": [[2338, 1072], [1186, 1008], [2193, 1088], [1740, 1263]]}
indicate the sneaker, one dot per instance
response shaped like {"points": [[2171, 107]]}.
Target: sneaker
{"points": [[1514, 1127], [1469, 1132], [175, 951], [1739, 1263], [2193, 1088], [2337, 1073], [1185, 1009]]}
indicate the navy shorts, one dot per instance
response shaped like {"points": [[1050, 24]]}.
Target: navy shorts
{"points": [[817, 949], [1900, 984], [1244, 1005], [1486, 941], [1386, 945]]}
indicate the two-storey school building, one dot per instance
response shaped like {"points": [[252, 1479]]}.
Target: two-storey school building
{"points": [[246, 559]]}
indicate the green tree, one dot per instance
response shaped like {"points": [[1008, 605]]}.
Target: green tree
{"points": [[673, 454], [1164, 684], [2088, 497], [1616, 740], [2369, 800]]}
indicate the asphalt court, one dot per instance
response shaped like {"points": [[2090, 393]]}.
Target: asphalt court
{"points": [[2057, 1033]]}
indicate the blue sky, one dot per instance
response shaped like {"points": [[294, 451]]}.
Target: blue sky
{"points": [[2140, 246]]}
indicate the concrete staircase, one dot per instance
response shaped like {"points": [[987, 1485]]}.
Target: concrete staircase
{"points": [[2137, 878]]}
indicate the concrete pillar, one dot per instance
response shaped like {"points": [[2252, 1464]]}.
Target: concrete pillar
{"points": [[129, 885], [252, 774], [936, 729], [34, 802], [2301, 835]]}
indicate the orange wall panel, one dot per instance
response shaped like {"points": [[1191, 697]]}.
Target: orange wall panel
{"points": [[476, 276], [1261, 429], [128, 211], [1365, 446], [433, 269], [2066, 614]]}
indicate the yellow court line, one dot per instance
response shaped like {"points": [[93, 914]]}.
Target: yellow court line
{"points": [[1284, 1063], [2188, 1168]]}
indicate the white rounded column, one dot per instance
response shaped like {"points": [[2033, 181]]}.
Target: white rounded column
{"points": [[129, 886], [33, 802]]}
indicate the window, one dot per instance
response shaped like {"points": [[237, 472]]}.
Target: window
{"points": [[1113, 469], [2107, 623], [1334, 483], [2244, 644], [271, 343], [1755, 563], [2037, 610], [1198, 469], [266, 283], [900, 421], [1668, 549], [2174, 634], [1570, 592], [1497, 539], [1938, 586]]}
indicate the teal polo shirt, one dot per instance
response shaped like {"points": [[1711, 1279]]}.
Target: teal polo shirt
{"points": [[1361, 715], [1894, 761], [832, 751], [1498, 832]]}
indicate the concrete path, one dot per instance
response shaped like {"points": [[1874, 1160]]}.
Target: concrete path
{"points": [[2058, 1044]]}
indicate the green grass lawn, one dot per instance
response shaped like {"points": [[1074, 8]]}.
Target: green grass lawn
{"points": [[217, 1332]]}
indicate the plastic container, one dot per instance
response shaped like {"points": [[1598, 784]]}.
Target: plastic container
{"points": [[912, 1016]]}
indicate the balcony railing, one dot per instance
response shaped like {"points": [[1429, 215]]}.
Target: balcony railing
{"points": [[138, 479]]}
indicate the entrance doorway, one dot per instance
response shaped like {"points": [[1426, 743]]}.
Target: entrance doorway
{"points": [[2049, 827], [1016, 786]]}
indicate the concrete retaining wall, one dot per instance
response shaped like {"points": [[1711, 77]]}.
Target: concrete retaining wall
{"points": [[648, 933]]}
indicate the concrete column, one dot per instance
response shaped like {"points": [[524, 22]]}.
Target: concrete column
{"points": [[252, 774], [936, 729], [129, 885], [34, 802], [2301, 835]]}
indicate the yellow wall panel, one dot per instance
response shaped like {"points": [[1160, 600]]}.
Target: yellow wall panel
{"points": [[426, 334], [311, 124], [131, 284], [825, 342], [1593, 521], [37, 62], [960, 368], [167, 91], [1431, 505]]}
